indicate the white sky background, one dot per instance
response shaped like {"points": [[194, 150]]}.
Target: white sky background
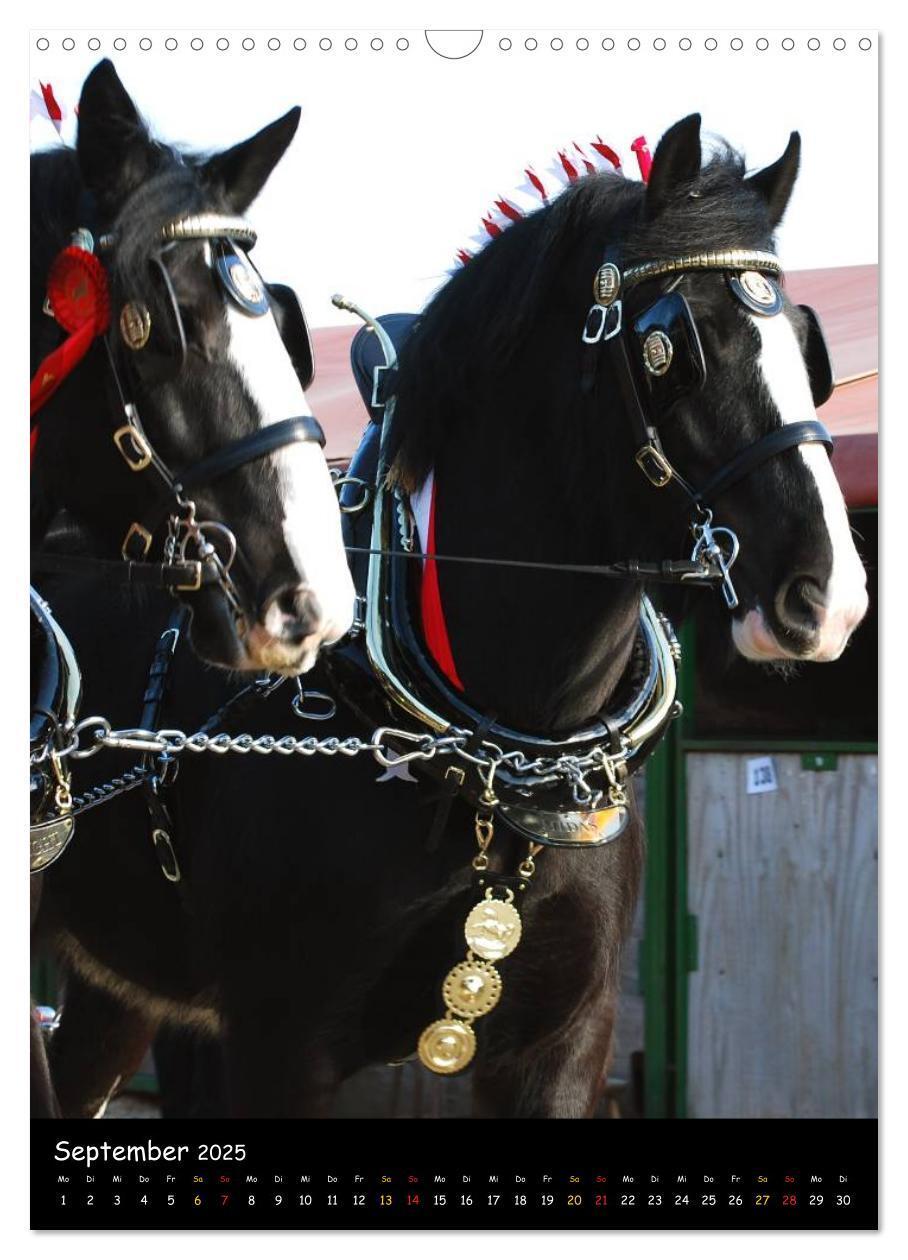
{"points": [[400, 152]]}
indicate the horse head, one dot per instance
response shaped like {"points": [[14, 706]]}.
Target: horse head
{"points": [[730, 365], [200, 382], [683, 400]]}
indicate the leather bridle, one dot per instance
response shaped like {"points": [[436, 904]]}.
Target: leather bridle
{"points": [[606, 335], [191, 561]]}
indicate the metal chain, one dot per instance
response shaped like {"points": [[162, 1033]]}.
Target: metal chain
{"points": [[93, 734]]}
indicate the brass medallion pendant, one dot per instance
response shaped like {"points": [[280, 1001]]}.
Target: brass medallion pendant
{"points": [[492, 931], [447, 1046], [472, 988], [493, 928]]}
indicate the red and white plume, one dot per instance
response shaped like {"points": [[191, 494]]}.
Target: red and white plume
{"points": [[539, 187], [44, 104]]}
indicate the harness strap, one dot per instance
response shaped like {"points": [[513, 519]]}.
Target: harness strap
{"points": [[213, 467], [760, 451], [246, 450], [191, 576], [453, 782], [159, 816]]}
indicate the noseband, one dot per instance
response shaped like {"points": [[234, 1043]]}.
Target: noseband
{"points": [[191, 561], [657, 359]]}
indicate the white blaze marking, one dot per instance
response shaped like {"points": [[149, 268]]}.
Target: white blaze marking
{"points": [[785, 375], [312, 529]]}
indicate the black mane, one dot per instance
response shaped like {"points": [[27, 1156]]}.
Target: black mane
{"points": [[538, 276]]}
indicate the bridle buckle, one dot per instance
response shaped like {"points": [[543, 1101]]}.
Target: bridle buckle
{"points": [[196, 583], [142, 537], [597, 326], [654, 466], [133, 446]]}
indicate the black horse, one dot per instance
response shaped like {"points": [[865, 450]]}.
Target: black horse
{"points": [[180, 447], [195, 396], [324, 901]]}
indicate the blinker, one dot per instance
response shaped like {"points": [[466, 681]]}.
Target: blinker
{"points": [[816, 356], [670, 351]]}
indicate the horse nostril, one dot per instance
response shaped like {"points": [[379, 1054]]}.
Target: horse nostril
{"points": [[800, 604], [291, 614]]}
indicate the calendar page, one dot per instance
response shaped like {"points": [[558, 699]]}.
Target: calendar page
{"points": [[453, 627]]}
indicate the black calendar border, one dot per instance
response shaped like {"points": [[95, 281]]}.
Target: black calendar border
{"points": [[533, 1149]]}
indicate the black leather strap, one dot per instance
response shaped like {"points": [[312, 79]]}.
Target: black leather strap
{"points": [[759, 452], [246, 450], [189, 576]]}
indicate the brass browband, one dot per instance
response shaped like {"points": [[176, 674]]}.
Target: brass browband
{"points": [[200, 227], [710, 260]]}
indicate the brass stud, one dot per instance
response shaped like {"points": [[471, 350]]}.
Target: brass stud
{"points": [[135, 325], [607, 284], [657, 353]]}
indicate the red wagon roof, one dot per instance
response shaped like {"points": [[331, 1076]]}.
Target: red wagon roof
{"points": [[846, 300]]}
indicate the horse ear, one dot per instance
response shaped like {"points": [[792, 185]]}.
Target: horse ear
{"points": [[239, 174], [774, 183], [114, 149], [676, 161]]}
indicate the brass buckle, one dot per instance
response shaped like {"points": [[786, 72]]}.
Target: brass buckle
{"points": [[139, 443], [136, 531], [196, 585], [654, 466]]}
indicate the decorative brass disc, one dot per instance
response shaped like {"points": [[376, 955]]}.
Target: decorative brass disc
{"points": [[493, 929], [472, 988], [247, 282], [607, 284], [657, 353], [447, 1046], [135, 325], [47, 840], [758, 287]]}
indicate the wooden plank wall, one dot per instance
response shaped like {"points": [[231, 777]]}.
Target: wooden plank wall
{"points": [[783, 1007]]}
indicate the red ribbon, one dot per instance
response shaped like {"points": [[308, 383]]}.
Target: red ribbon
{"points": [[435, 631], [78, 295]]}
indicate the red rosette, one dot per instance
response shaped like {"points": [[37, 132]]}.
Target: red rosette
{"points": [[79, 297], [77, 290]]}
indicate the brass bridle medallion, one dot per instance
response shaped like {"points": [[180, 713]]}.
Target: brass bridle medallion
{"points": [[657, 353], [472, 988], [493, 928], [447, 1046], [135, 325], [247, 282], [758, 287], [607, 284]]}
